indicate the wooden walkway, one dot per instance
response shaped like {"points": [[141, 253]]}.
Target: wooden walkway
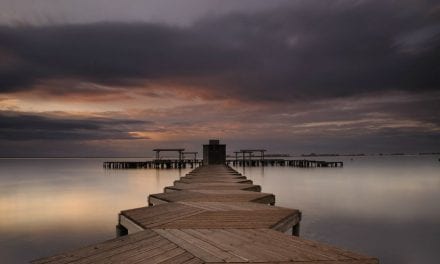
{"points": [[207, 217], [179, 186]]}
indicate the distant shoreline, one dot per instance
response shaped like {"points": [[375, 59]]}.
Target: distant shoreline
{"points": [[76, 157], [230, 156]]}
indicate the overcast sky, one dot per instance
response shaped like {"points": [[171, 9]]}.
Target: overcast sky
{"points": [[118, 78]]}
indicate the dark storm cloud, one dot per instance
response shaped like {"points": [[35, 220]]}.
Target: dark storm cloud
{"points": [[181, 12], [23, 126], [328, 48], [106, 53], [307, 50]]}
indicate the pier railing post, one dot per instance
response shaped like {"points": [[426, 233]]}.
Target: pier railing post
{"points": [[121, 230], [295, 230]]}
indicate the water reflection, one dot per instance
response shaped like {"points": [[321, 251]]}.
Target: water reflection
{"points": [[382, 206], [386, 207], [51, 205]]}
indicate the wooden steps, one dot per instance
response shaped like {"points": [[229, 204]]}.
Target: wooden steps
{"points": [[242, 215], [211, 196], [179, 186]]}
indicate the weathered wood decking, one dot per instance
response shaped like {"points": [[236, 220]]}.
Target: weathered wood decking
{"points": [[203, 221], [211, 196], [179, 186], [209, 246], [210, 215]]}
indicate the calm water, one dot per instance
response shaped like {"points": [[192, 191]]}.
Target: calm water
{"points": [[383, 206]]}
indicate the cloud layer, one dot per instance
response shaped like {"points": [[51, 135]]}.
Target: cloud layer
{"points": [[314, 50], [310, 73], [26, 126]]}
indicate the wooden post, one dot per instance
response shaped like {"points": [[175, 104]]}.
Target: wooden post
{"points": [[295, 230], [121, 230]]}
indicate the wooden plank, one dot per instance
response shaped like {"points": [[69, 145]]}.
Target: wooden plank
{"points": [[92, 250], [251, 245], [240, 245], [288, 222], [227, 255], [181, 258], [161, 257], [210, 215], [230, 219], [130, 225], [267, 199], [137, 253], [204, 255], [277, 247], [307, 245], [179, 186], [149, 217], [193, 261], [214, 180], [212, 196], [212, 174], [242, 206], [158, 212]]}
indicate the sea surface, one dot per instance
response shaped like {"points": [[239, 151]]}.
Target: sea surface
{"points": [[386, 206]]}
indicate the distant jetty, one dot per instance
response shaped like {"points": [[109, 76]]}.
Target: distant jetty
{"points": [[178, 164], [217, 151]]}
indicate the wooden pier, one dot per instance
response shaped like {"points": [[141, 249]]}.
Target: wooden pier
{"points": [[208, 217], [153, 164], [285, 163], [193, 163]]}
